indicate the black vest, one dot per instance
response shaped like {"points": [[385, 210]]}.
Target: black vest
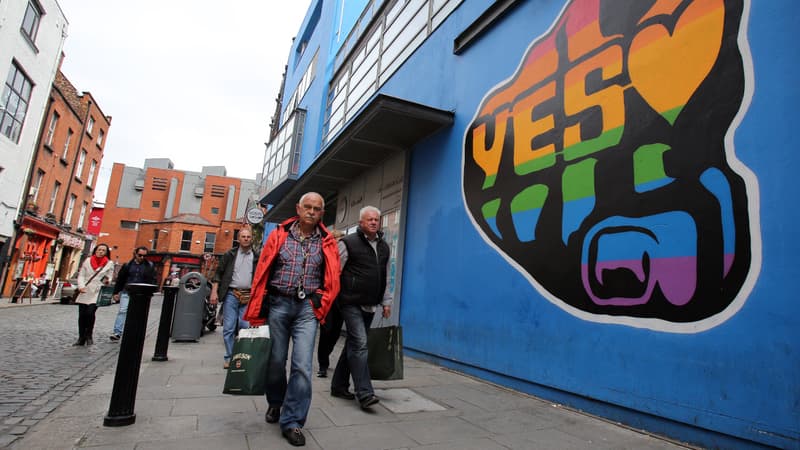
{"points": [[364, 275]]}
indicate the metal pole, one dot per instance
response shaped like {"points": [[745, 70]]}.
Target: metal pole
{"points": [[126, 379], [165, 323]]}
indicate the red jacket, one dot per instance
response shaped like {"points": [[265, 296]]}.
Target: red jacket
{"points": [[330, 279]]}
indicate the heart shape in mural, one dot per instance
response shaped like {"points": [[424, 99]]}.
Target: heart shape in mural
{"points": [[667, 68]]}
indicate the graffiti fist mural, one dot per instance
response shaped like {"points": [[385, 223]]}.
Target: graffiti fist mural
{"points": [[604, 169]]}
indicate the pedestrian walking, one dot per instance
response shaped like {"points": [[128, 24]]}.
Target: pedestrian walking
{"points": [[364, 258], [330, 331], [298, 272], [231, 283], [95, 272], [137, 270]]}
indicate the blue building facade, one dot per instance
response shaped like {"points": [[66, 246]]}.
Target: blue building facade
{"points": [[587, 200]]}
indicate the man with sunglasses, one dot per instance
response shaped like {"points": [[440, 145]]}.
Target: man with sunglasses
{"points": [[295, 282], [137, 270]]}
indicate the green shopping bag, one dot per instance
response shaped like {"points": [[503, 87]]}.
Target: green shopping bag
{"points": [[105, 296], [247, 371], [385, 358]]}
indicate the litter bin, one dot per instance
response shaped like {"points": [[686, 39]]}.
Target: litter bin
{"points": [[187, 321]]}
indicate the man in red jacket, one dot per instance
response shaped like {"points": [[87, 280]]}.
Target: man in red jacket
{"points": [[294, 284]]}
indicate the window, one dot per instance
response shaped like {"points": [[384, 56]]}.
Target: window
{"points": [[70, 209], [37, 185], [186, 241], [51, 130], [214, 210], [92, 168], [235, 238], [156, 203], [155, 239], [66, 145], [211, 239], [14, 102], [128, 225], [79, 167], [54, 197], [30, 24], [82, 216], [90, 125], [100, 137]]}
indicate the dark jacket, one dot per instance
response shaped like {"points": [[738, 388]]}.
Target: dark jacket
{"points": [[224, 272], [257, 309], [363, 275], [123, 277]]}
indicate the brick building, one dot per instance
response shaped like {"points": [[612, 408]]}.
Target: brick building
{"points": [[51, 237], [184, 218]]}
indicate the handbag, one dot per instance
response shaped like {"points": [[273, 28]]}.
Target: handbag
{"points": [[385, 353], [247, 372]]}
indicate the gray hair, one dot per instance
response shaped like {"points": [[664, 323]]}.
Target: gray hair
{"points": [[300, 202], [367, 209]]}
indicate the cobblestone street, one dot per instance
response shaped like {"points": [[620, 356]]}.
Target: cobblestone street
{"points": [[40, 367]]}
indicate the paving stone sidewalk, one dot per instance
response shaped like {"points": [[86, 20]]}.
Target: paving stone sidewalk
{"points": [[41, 369], [180, 406]]}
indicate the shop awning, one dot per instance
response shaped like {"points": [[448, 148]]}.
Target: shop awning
{"points": [[385, 126], [39, 227]]}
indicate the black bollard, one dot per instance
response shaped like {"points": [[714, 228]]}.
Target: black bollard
{"points": [[165, 323], [126, 378]]}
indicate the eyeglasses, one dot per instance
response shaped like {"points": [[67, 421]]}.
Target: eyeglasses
{"points": [[139, 255]]}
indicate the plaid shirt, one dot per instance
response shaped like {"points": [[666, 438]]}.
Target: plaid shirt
{"points": [[289, 263]]}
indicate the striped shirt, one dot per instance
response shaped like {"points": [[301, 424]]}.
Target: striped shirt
{"points": [[290, 270]]}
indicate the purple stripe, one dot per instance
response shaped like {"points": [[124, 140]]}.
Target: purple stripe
{"points": [[677, 278]]}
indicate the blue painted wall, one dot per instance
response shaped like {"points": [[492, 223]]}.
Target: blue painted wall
{"points": [[464, 302], [734, 371]]}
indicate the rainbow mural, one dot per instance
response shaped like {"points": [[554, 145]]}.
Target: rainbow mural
{"points": [[601, 168]]}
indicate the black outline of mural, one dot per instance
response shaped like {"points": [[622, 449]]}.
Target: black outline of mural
{"points": [[746, 185]]}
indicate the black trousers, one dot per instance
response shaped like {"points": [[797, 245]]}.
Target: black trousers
{"points": [[86, 320], [328, 335]]}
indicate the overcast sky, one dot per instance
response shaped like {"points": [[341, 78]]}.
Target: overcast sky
{"points": [[194, 81]]}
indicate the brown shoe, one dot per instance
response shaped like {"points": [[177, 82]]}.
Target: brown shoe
{"points": [[226, 364]]}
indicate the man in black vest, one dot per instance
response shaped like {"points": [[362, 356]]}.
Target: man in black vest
{"points": [[364, 259]]}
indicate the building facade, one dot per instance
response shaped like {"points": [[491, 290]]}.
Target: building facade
{"points": [[32, 34], [575, 192], [53, 236], [184, 218]]}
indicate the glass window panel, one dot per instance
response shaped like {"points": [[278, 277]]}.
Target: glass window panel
{"points": [[285, 167]]}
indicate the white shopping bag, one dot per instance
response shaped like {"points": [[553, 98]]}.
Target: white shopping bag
{"points": [[255, 332]]}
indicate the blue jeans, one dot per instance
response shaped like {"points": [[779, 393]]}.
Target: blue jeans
{"points": [[232, 313], [119, 323], [291, 318], [353, 360]]}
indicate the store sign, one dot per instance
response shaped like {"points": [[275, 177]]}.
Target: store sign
{"points": [[70, 240], [255, 215]]}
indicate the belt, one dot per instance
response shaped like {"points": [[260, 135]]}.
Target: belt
{"points": [[275, 290]]}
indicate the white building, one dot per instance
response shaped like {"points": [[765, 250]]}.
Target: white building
{"points": [[32, 34]]}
